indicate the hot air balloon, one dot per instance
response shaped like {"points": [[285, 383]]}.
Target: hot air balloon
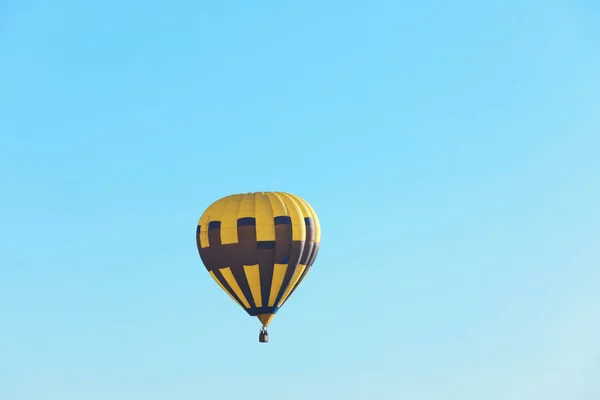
{"points": [[259, 247]]}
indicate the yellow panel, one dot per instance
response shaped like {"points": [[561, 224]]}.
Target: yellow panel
{"points": [[246, 208], [265, 227], [228, 275], [298, 225], [203, 237], [223, 287], [301, 204], [263, 206], [229, 233], [278, 275], [293, 282], [265, 319], [315, 219], [298, 283], [253, 276], [277, 205], [212, 213]]}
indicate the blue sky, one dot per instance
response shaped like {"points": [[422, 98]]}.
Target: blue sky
{"points": [[449, 148]]}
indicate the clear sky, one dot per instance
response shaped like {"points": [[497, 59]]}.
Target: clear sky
{"points": [[451, 150]]}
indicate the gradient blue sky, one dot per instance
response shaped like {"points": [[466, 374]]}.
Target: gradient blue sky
{"points": [[451, 150]]}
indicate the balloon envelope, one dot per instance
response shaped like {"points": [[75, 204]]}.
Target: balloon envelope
{"points": [[258, 247]]}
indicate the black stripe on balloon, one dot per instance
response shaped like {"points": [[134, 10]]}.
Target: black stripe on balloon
{"points": [[297, 284], [294, 260], [221, 279], [240, 276], [246, 221]]}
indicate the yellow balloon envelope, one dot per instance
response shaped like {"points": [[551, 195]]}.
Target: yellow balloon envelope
{"points": [[258, 247]]}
